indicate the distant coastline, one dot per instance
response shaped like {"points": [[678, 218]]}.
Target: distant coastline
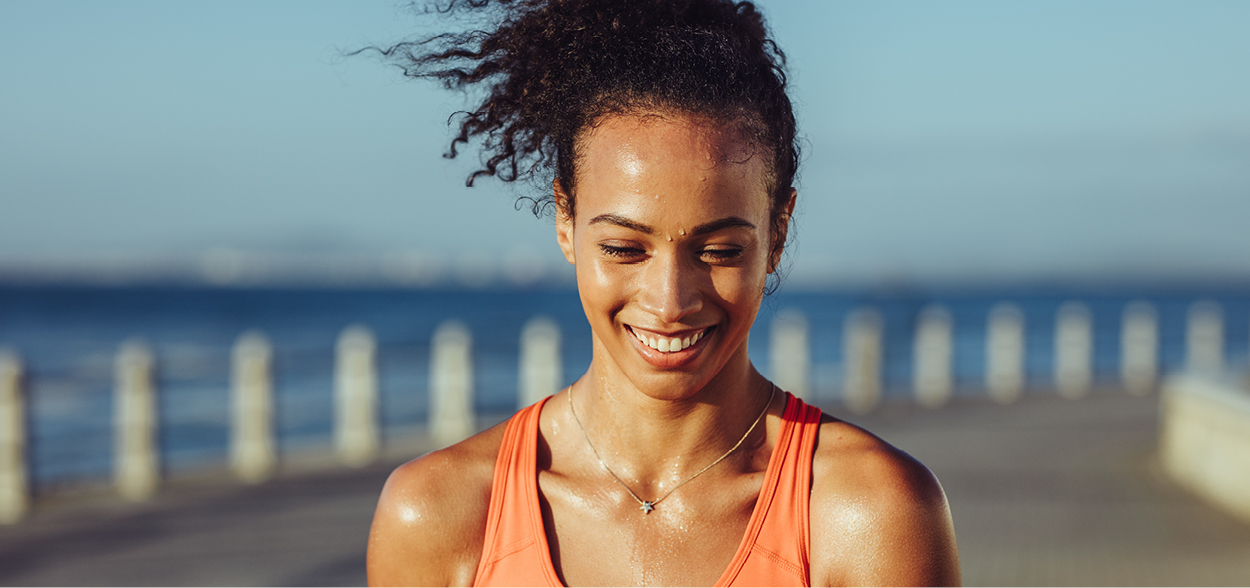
{"points": [[239, 269], [68, 335]]}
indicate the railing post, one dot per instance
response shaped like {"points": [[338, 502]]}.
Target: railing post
{"points": [[1204, 338], [1004, 353], [790, 353], [1139, 348], [1074, 349], [252, 453], [14, 483], [356, 436], [932, 354], [451, 383], [137, 469], [540, 369], [862, 351]]}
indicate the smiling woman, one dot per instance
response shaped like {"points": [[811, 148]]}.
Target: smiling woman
{"points": [[670, 143], [671, 244]]}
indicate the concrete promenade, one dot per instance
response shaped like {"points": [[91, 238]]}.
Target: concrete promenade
{"points": [[1044, 492]]}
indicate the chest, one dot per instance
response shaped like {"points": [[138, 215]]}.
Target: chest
{"points": [[601, 536]]}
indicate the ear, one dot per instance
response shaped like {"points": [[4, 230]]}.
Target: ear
{"points": [[783, 229], [564, 221]]}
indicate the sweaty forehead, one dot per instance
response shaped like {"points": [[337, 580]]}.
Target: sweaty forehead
{"points": [[629, 142], [719, 142], [665, 169]]}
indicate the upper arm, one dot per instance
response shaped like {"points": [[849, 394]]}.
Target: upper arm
{"points": [[430, 521], [879, 517]]}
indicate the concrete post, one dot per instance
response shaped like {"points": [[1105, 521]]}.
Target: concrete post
{"points": [[1204, 338], [136, 463], [540, 370], [790, 353], [862, 351], [1139, 348], [356, 437], [252, 453], [451, 383], [1004, 353], [1074, 350], [932, 355], [14, 483]]}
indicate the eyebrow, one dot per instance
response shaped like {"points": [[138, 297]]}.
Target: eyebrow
{"points": [[620, 221], [724, 223], [703, 229]]}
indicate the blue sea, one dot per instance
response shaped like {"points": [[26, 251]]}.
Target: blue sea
{"points": [[68, 336]]}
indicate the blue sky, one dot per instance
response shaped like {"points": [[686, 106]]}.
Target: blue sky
{"points": [[944, 141]]}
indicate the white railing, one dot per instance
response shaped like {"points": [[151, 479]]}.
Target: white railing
{"points": [[356, 433]]}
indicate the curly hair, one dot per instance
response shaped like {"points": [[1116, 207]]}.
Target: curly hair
{"points": [[552, 69]]}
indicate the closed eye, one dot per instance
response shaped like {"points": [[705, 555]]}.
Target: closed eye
{"points": [[622, 253], [720, 254]]}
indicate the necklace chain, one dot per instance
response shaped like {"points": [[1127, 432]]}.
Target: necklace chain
{"points": [[648, 505]]}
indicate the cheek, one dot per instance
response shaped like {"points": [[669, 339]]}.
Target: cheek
{"points": [[741, 288], [604, 287]]}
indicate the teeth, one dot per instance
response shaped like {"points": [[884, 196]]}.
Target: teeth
{"points": [[666, 345]]}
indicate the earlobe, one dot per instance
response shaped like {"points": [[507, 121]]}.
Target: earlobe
{"points": [[564, 221]]}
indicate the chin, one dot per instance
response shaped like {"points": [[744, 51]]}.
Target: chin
{"points": [[674, 375]]}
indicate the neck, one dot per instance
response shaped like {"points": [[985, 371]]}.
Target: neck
{"points": [[654, 439]]}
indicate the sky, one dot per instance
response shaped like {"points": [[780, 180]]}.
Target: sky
{"points": [[957, 141]]}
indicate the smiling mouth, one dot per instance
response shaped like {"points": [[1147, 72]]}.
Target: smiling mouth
{"points": [[669, 344]]}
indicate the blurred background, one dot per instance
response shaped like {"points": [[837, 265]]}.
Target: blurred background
{"points": [[999, 203]]}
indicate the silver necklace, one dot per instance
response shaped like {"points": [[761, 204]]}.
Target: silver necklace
{"points": [[649, 505]]}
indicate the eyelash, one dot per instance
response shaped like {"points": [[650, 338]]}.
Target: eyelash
{"points": [[715, 255], [619, 252], [725, 254]]}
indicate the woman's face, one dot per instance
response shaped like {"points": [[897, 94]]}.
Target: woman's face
{"points": [[671, 243]]}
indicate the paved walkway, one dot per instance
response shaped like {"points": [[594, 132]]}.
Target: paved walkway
{"points": [[1044, 492], [1052, 492]]}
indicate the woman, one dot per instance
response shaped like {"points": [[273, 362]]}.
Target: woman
{"points": [[671, 145]]}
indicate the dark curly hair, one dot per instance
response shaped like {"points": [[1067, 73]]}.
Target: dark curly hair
{"points": [[554, 68]]}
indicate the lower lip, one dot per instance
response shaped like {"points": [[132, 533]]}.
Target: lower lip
{"points": [[672, 359]]}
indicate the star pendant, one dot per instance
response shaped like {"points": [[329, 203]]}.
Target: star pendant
{"points": [[647, 507]]}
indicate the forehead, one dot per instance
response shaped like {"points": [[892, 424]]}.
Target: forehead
{"points": [[670, 158], [717, 140]]}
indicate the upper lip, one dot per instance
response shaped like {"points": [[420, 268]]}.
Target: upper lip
{"points": [[668, 334]]}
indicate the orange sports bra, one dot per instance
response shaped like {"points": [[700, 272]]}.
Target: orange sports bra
{"points": [[773, 552]]}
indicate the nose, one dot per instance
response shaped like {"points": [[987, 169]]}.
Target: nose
{"points": [[670, 288]]}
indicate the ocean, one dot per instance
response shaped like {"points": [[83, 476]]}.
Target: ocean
{"points": [[68, 336]]}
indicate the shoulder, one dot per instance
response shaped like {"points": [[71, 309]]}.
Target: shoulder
{"points": [[878, 516], [430, 521]]}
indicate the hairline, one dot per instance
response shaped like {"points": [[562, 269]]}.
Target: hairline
{"points": [[748, 125]]}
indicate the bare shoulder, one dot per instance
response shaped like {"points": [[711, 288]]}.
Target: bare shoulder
{"points": [[431, 518], [878, 516]]}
